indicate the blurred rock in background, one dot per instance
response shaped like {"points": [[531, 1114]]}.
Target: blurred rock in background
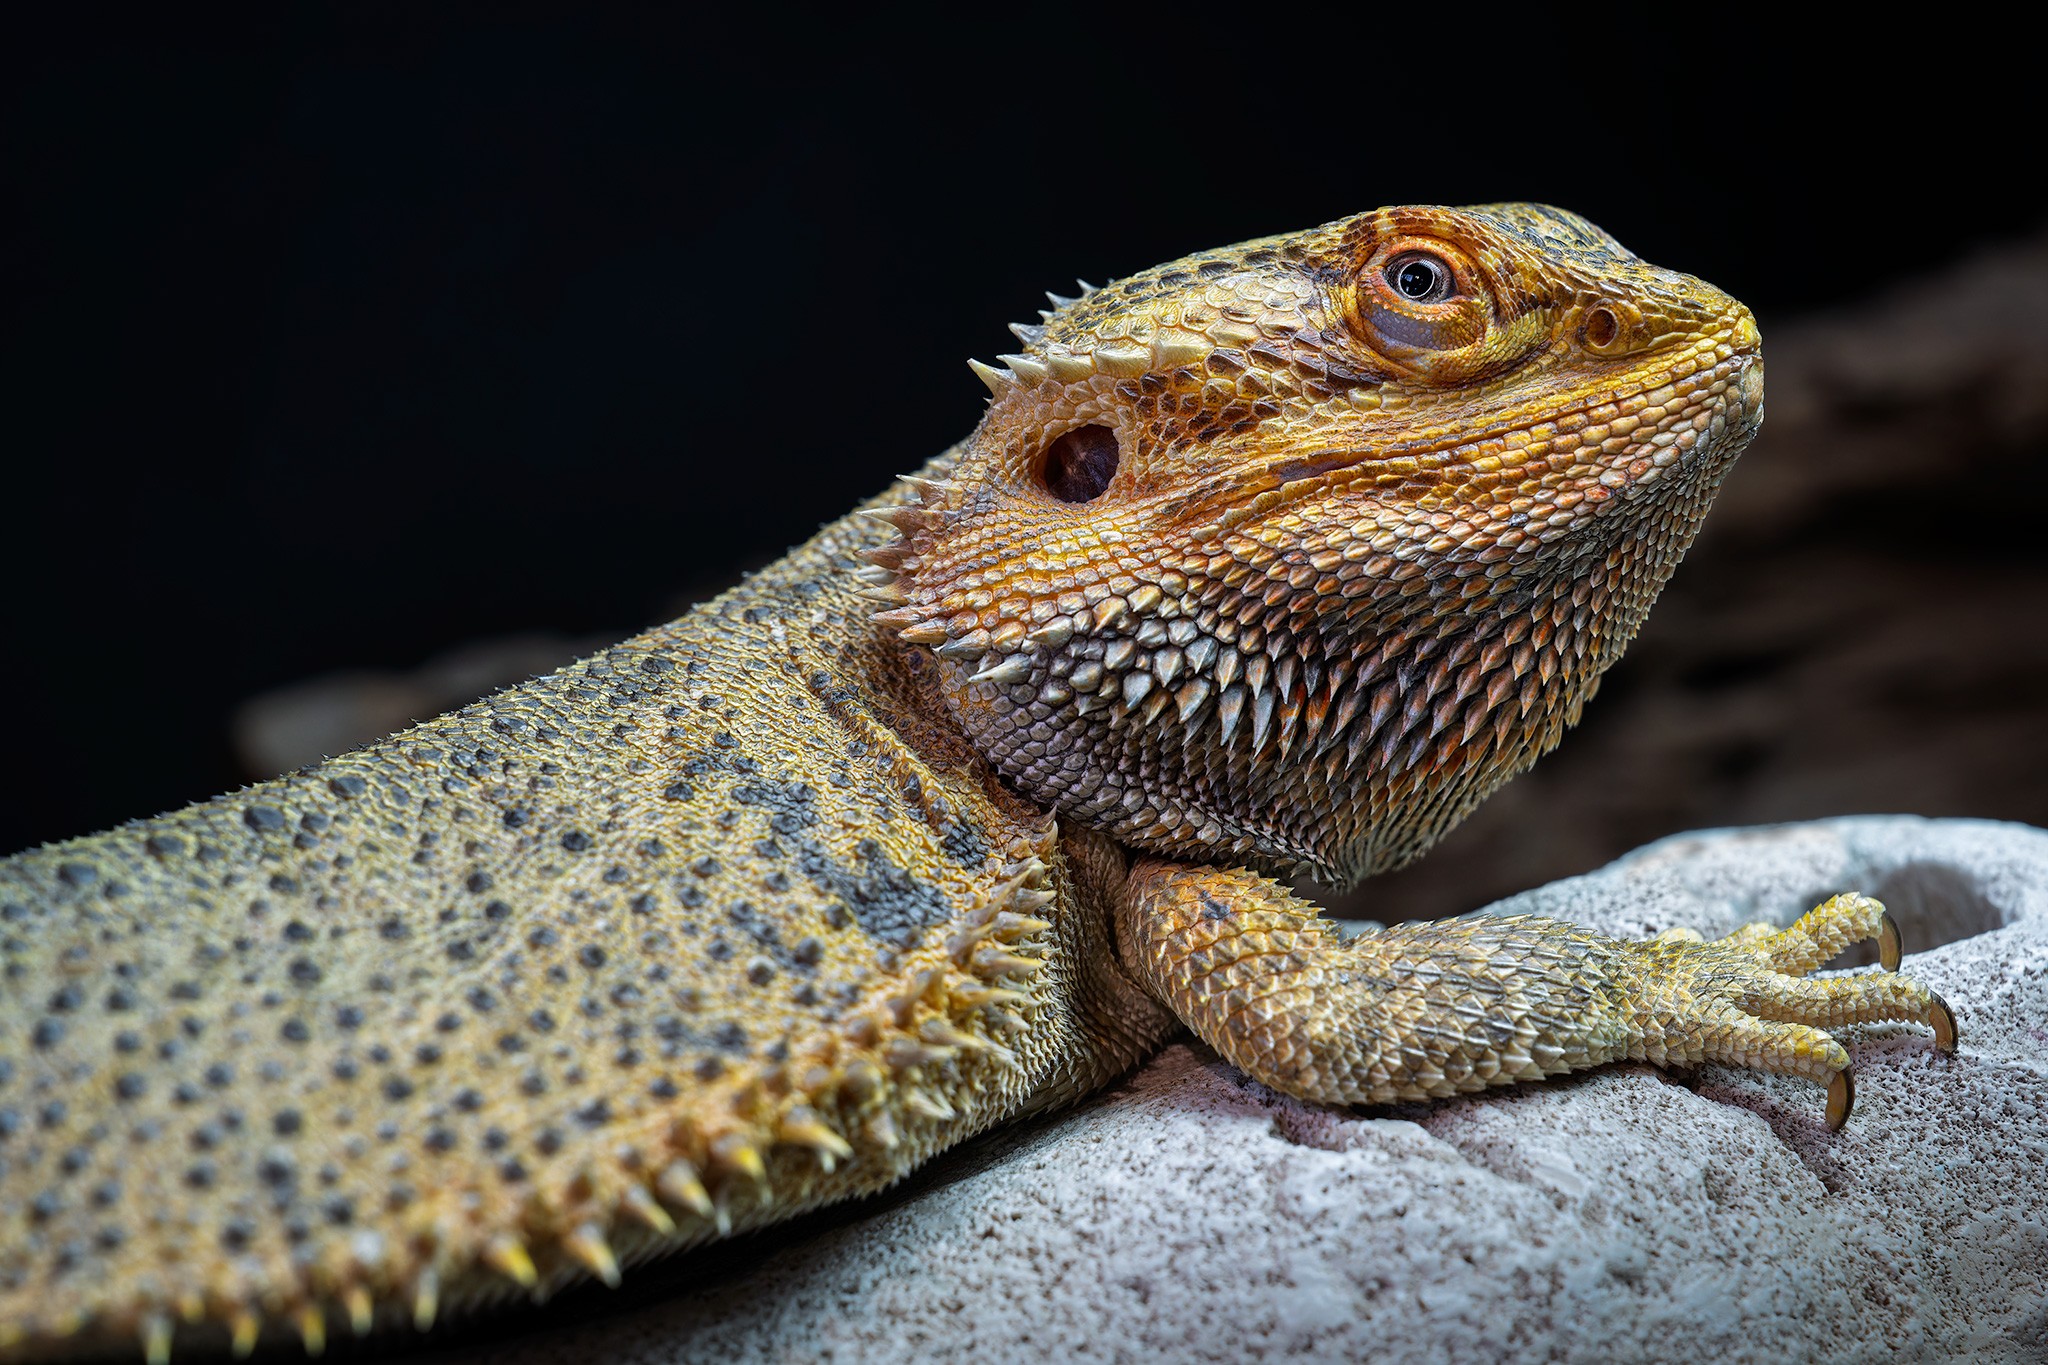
{"points": [[1861, 628]]}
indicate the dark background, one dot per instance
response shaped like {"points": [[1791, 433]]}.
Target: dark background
{"points": [[336, 339]]}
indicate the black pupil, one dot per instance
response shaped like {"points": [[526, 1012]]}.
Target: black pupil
{"points": [[1418, 279]]}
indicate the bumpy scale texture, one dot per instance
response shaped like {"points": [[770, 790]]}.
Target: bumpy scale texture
{"points": [[1276, 558]]}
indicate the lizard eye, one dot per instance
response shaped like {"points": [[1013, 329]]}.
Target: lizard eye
{"points": [[1417, 298], [1420, 277]]}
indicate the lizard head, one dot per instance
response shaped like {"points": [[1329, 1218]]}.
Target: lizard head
{"points": [[1289, 553]]}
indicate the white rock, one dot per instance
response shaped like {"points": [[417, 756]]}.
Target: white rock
{"points": [[1627, 1214]]}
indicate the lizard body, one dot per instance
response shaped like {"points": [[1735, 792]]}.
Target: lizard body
{"points": [[1275, 558]]}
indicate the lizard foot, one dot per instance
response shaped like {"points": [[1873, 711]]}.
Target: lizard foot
{"points": [[1426, 1010], [1745, 1000]]}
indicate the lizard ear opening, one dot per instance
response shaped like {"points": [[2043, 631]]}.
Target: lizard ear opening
{"points": [[1079, 465]]}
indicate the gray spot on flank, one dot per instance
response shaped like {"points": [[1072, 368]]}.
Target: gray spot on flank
{"points": [[887, 901]]}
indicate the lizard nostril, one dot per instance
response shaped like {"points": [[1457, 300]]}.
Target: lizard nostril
{"points": [[1602, 329], [1080, 464]]}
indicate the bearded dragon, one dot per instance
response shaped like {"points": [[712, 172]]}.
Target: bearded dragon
{"points": [[1271, 560]]}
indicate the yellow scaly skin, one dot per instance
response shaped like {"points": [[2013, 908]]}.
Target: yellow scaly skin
{"points": [[1278, 557]]}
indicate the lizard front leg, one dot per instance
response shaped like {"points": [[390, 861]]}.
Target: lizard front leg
{"points": [[1427, 1010]]}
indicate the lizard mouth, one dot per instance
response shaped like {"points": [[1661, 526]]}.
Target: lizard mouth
{"points": [[1666, 426]]}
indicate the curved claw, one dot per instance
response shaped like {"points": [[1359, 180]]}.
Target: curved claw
{"points": [[1841, 1097], [1945, 1034], [1889, 943]]}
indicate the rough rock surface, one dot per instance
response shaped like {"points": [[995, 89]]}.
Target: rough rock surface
{"points": [[1192, 1214]]}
